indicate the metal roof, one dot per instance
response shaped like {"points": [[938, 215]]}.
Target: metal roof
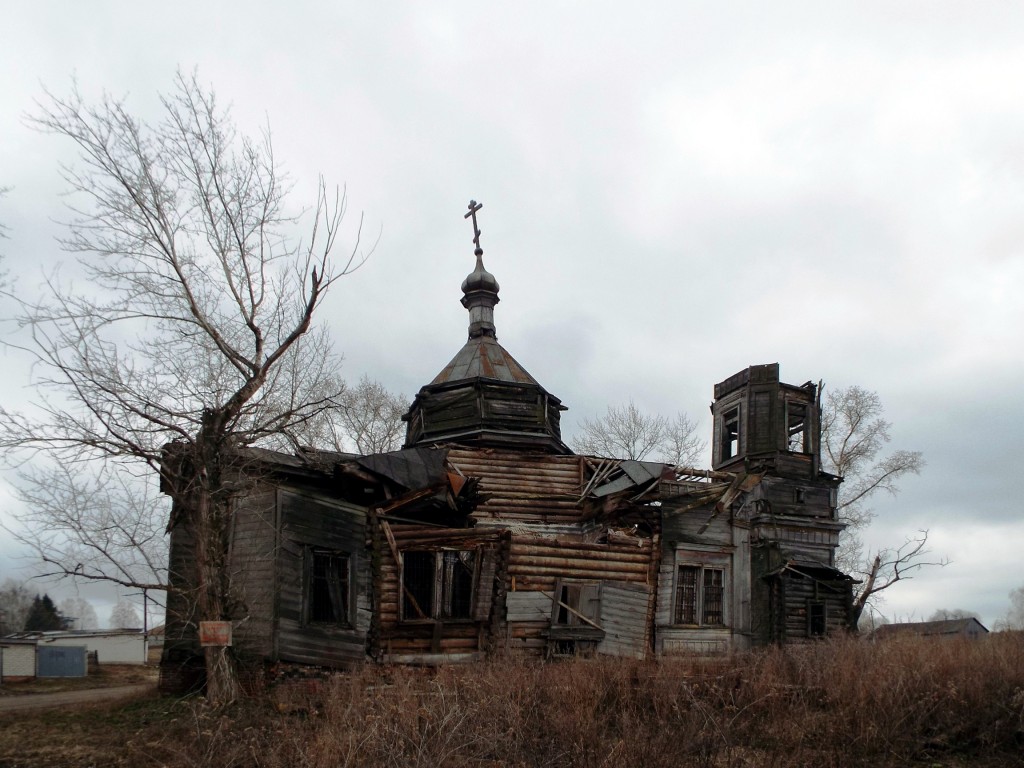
{"points": [[484, 357]]}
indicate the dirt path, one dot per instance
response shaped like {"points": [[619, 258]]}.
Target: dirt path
{"points": [[72, 698]]}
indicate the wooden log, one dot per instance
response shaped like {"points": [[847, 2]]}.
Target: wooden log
{"points": [[580, 574], [595, 564]]}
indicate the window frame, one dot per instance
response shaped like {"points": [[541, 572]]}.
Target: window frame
{"points": [[575, 593], [792, 406], [701, 606], [444, 586], [731, 437], [345, 591], [817, 618]]}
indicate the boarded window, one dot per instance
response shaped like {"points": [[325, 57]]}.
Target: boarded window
{"points": [[438, 584], [577, 604], [328, 587], [700, 595]]}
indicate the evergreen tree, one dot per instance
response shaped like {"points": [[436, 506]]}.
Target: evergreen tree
{"points": [[43, 616]]}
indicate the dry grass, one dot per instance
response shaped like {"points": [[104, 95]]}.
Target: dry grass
{"points": [[906, 702], [103, 676]]}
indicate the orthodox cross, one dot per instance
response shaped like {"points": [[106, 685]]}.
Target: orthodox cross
{"points": [[474, 206]]}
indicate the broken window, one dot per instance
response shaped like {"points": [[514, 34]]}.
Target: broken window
{"points": [[731, 433], [816, 620], [438, 584], [576, 604], [328, 587], [796, 427], [456, 599], [700, 595], [575, 618]]}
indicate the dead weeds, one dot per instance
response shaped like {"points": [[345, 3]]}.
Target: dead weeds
{"points": [[834, 704]]}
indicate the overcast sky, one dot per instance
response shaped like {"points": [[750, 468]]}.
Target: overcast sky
{"points": [[672, 191]]}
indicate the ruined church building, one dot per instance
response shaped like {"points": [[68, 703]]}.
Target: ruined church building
{"points": [[487, 535]]}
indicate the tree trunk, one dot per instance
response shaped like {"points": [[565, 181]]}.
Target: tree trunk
{"points": [[869, 587], [211, 514]]}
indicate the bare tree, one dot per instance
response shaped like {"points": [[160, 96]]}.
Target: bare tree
{"points": [[949, 614], [854, 436], [79, 613], [93, 521], [1014, 619], [369, 419], [15, 603], [192, 335], [853, 439], [682, 446], [627, 432], [889, 566], [3, 236], [124, 616]]}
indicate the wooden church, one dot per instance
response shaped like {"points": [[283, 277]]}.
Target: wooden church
{"points": [[487, 535]]}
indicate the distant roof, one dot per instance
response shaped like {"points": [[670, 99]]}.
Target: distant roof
{"points": [[58, 633], [933, 628]]}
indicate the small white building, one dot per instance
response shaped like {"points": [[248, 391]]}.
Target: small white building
{"points": [[17, 660], [111, 646]]}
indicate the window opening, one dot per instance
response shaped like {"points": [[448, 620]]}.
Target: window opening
{"points": [[438, 584], [796, 427], [457, 584], [578, 604], [731, 433], [569, 596], [700, 596], [328, 592], [418, 585], [816, 620]]}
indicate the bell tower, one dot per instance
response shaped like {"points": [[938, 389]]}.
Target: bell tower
{"points": [[764, 423]]}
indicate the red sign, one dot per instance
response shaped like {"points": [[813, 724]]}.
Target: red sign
{"points": [[215, 633]]}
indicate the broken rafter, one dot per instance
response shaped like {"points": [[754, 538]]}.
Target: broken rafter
{"points": [[739, 484], [708, 474]]}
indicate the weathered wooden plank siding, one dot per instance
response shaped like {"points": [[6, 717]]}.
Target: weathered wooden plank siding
{"points": [[676, 641], [625, 612], [310, 520], [538, 563], [181, 632], [794, 497], [701, 525], [252, 571], [800, 592], [812, 543]]}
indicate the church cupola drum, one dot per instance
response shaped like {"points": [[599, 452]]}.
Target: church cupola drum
{"points": [[484, 396]]}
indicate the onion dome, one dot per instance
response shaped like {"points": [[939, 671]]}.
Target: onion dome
{"points": [[483, 396]]}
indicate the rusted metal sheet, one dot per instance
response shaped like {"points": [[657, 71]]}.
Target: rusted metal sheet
{"points": [[484, 357]]}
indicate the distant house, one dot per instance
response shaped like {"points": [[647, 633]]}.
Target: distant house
{"points": [[969, 628], [156, 636], [110, 646], [17, 659]]}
